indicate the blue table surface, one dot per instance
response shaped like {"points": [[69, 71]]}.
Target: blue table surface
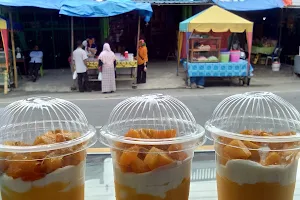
{"points": [[230, 69]]}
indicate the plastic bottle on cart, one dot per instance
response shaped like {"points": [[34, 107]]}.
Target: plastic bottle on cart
{"points": [[126, 54]]}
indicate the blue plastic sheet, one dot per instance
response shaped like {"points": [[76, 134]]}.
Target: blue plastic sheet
{"points": [[104, 8], [87, 8], [49, 4], [248, 5]]}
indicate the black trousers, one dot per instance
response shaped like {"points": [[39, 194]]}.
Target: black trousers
{"points": [[82, 81], [141, 74], [34, 70]]}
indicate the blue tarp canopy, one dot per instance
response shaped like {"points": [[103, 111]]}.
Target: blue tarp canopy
{"points": [[249, 5], [48, 4], [104, 8], [87, 8]]}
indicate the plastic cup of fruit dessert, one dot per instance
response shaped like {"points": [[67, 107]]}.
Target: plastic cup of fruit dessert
{"points": [[51, 167], [152, 164], [257, 141], [152, 140]]}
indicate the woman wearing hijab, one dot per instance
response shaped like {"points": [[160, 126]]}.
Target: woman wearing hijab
{"points": [[142, 59], [107, 62]]}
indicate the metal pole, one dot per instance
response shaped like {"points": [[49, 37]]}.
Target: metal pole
{"points": [[13, 50], [280, 28], [137, 47], [73, 87]]}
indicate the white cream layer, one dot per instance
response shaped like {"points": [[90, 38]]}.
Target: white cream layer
{"points": [[249, 172], [156, 182], [72, 175]]}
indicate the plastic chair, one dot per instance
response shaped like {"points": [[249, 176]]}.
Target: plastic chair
{"points": [[274, 56]]}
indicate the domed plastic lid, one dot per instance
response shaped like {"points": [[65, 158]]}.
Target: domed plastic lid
{"points": [[263, 112], [165, 118], [37, 125]]}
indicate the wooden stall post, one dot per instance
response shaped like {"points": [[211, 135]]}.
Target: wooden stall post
{"points": [[13, 50]]}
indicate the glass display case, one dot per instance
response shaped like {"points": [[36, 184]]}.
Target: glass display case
{"points": [[203, 48]]}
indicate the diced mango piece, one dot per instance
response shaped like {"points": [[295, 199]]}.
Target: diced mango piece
{"points": [[254, 153], [237, 150], [225, 140], [138, 166], [143, 134], [171, 133], [74, 159], [273, 158], [175, 148], [133, 134], [48, 138], [151, 158], [51, 164], [161, 134], [129, 155], [164, 159]]}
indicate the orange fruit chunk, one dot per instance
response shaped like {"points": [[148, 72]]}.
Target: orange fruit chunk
{"points": [[237, 150], [273, 158], [138, 166], [151, 158], [175, 147], [51, 164], [129, 155], [48, 138], [254, 153], [133, 134], [164, 159], [162, 134], [171, 133], [143, 134]]}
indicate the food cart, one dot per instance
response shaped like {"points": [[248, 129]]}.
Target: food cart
{"points": [[126, 70], [203, 50]]}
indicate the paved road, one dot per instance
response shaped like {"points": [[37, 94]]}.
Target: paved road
{"points": [[98, 107]]}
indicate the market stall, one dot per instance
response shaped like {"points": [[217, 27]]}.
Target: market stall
{"points": [[5, 69], [106, 9], [125, 69], [203, 51]]}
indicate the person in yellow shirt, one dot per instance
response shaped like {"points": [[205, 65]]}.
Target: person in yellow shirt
{"points": [[142, 60]]}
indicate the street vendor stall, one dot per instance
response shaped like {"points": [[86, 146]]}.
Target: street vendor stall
{"points": [[91, 8], [5, 67], [122, 64], [203, 53]]}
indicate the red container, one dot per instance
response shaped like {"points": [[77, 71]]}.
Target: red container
{"points": [[126, 54]]}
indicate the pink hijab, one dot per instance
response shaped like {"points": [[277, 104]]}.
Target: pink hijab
{"points": [[107, 56]]}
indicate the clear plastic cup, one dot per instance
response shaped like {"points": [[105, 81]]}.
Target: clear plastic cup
{"points": [[43, 144], [152, 140], [256, 138]]}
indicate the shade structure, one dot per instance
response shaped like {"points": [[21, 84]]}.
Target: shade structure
{"points": [[104, 8], [48, 4], [251, 5], [218, 20]]}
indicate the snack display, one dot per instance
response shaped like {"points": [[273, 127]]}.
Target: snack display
{"points": [[152, 139], [257, 144], [43, 143]]}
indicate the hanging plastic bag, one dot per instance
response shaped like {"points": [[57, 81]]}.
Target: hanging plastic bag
{"points": [[74, 75], [100, 76]]}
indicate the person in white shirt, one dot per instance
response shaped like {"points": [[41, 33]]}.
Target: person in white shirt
{"points": [[80, 61], [36, 60]]}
